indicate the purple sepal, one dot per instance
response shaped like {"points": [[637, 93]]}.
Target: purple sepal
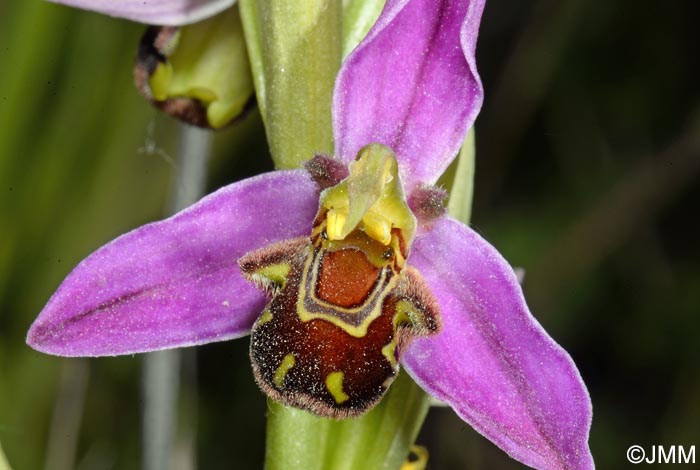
{"points": [[412, 85], [155, 12], [492, 362], [176, 282]]}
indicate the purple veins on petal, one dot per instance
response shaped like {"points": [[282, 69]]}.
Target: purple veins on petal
{"points": [[492, 362], [176, 282]]}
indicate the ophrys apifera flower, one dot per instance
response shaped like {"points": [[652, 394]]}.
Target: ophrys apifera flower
{"points": [[360, 268]]}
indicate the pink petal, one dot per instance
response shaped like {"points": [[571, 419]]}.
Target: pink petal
{"points": [[156, 12], [176, 282], [412, 85], [492, 362]]}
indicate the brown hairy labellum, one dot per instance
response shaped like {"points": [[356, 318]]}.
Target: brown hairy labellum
{"points": [[340, 315]]}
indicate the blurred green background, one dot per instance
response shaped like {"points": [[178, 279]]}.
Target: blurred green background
{"points": [[588, 155]]}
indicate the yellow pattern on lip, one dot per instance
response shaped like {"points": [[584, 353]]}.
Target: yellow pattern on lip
{"points": [[283, 369], [334, 384]]}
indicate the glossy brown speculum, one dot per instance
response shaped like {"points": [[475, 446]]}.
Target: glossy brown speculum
{"points": [[346, 278]]}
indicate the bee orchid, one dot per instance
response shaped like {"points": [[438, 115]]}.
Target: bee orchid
{"points": [[350, 268]]}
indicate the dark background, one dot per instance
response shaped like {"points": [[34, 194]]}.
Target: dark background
{"points": [[588, 155]]}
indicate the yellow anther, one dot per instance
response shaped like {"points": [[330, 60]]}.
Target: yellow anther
{"points": [[370, 199], [377, 227], [336, 221]]}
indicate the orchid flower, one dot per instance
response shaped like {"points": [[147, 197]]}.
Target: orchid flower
{"points": [[360, 267]]}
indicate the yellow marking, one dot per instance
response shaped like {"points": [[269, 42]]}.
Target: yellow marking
{"points": [[420, 462], [389, 352], [334, 384], [265, 317], [281, 372], [408, 314], [274, 273], [358, 331]]}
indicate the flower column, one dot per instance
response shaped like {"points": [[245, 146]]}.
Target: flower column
{"points": [[295, 54]]}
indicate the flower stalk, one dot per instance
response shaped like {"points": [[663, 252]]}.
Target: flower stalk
{"points": [[381, 438], [295, 53]]}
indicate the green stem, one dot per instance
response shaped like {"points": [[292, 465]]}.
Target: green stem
{"points": [[297, 440], [295, 52]]}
